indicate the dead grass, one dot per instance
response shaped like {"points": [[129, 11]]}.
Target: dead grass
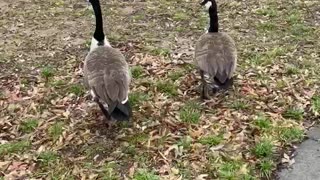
{"points": [[49, 129]]}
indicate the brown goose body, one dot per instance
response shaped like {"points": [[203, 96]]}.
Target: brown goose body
{"points": [[216, 55], [107, 72]]}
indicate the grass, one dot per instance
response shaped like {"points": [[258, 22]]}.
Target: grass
{"points": [[48, 157], [93, 150], [270, 12], [180, 16], [109, 172], [263, 149], [300, 31], [14, 147], [175, 75], [167, 87], [315, 105], [77, 89], [293, 113], [143, 174], [190, 112], [266, 27], [137, 71], [29, 125], [263, 123], [211, 140], [239, 105], [292, 70], [56, 130], [276, 45], [160, 51], [228, 170], [137, 98], [138, 138], [47, 72], [290, 135], [266, 168], [185, 142]]}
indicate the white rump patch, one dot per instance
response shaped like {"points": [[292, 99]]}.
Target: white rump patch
{"points": [[124, 101], [92, 93], [94, 43], [105, 105], [208, 5]]}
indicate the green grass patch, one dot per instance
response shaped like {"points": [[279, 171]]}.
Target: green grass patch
{"points": [[137, 98], [176, 74], [266, 168], [294, 17], [276, 52], [29, 125], [263, 149], [138, 17], [47, 72], [138, 138], [229, 170], [291, 70], [137, 72], [14, 147], [48, 157], [266, 26], [239, 105], [109, 171], [211, 140], [315, 105], [180, 16], [301, 31], [263, 123], [190, 112], [167, 87], [58, 83], [77, 89], [293, 113], [185, 142], [269, 11], [292, 134], [114, 37], [56, 130], [160, 51], [144, 174], [94, 149]]}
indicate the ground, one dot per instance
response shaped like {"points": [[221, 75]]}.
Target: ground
{"points": [[306, 163], [50, 129]]}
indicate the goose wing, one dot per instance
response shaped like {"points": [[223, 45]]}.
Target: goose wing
{"points": [[215, 54], [107, 74]]}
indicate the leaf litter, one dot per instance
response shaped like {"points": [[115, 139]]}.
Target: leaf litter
{"points": [[45, 117]]}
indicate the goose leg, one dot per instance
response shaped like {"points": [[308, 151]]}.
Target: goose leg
{"points": [[104, 111], [223, 86], [204, 87]]}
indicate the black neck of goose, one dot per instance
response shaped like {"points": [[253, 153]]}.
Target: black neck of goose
{"points": [[213, 13], [98, 33]]}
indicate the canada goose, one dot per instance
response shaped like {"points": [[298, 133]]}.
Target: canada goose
{"points": [[106, 73], [215, 55]]}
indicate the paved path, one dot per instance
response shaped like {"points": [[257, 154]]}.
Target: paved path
{"points": [[307, 162]]}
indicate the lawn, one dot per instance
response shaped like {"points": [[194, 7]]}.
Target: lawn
{"points": [[50, 129]]}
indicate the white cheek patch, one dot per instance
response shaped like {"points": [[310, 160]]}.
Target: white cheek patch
{"points": [[208, 5]]}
